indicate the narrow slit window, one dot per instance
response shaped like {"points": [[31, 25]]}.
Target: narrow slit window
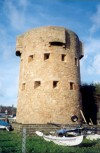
{"points": [[37, 84], [23, 86], [30, 58], [55, 84], [71, 86], [63, 56], [46, 56], [76, 61], [56, 43]]}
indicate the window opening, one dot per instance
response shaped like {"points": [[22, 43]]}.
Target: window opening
{"points": [[63, 57], [71, 86], [55, 84], [30, 58], [37, 84], [46, 56], [76, 62]]}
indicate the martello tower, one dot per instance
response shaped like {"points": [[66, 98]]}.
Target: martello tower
{"points": [[49, 82]]}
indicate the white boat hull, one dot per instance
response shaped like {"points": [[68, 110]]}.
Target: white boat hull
{"points": [[2, 127], [64, 141]]}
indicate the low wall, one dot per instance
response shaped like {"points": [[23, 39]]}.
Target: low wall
{"points": [[46, 128], [31, 128]]}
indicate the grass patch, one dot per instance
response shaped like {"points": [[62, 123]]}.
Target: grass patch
{"points": [[39, 145], [11, 142]]}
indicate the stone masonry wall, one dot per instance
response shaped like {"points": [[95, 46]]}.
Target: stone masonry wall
{"points": [[49, 81]]}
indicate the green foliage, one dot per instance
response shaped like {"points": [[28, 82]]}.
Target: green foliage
{"points": [[90, 101], [89, 106], [10, 142], [97, 87]]}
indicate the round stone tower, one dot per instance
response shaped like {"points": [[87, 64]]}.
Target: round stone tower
{"points": [[49, 82]]}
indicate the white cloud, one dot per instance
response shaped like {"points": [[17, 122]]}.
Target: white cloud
{"points": [[9, 84], [96, 82], [15, 15], [91, 63], [7, 45], [23, 3], [9, 63], [19, 15], [95, 20], [96, 64], [2, 90], [91, 47], [91, 66]]}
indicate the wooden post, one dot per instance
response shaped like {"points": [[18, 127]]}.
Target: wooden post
{"points": [[91, 121], [83, 116]]}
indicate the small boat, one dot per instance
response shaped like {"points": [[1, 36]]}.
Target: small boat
{"points": [[5, 126], [93, 137], [64, 141]]}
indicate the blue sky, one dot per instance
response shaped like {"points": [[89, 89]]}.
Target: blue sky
{"points": [[18, 16]]}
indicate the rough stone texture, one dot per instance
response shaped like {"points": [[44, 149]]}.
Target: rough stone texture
{"points": [[38, 101]]}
